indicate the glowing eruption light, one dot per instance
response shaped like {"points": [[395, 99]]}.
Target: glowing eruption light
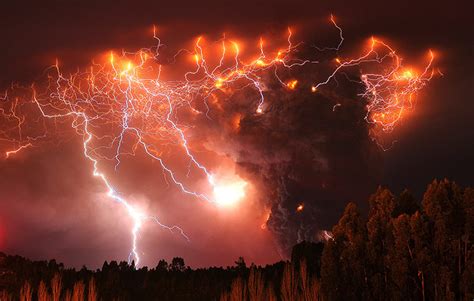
{"points": [[300, 208], [228, 194], [123, 106]]}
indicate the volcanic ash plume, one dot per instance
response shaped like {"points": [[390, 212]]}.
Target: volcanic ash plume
{"points": [[302, 128], [308, 153]]}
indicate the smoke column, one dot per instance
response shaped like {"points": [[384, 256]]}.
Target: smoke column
{"points": [[301, 123]]}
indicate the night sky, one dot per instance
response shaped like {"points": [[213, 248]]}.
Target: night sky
{"points": [[50, 206]]}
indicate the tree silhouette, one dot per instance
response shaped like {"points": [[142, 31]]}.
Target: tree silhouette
{"points": [[343, 270], [177, 264], [399, 251]]}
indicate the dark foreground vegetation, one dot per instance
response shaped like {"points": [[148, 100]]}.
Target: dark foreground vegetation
{"points": [[403, 250]]}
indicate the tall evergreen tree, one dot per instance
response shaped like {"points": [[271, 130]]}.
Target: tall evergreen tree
{"points": [[380, 241], [405, 203], [467, 246], [403, 271], [343, 271], [443, 205]]}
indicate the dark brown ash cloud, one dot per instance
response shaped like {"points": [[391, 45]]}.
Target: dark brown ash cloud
{"points": [[306, 148]]}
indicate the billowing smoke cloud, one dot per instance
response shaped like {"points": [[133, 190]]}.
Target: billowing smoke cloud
{"points": [[305, 155], [309, 149]]}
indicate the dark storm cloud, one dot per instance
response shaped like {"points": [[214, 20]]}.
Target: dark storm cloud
{"points": [[303, 150]]}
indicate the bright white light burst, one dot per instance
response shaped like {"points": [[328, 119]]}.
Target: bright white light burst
{"points": [[227, 194]]}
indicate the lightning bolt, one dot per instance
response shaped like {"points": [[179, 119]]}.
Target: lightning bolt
{"points": [[125, 99]]}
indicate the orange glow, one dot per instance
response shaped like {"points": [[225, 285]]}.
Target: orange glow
{"points": [[292, 84], [219, 83], [127, 67], [392, 93], [111, 58], [263, 226], [236, 47], [407, 74], [300, 207], [236, 121]]}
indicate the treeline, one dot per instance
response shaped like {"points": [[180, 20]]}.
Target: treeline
{"points": [[403, 250]]}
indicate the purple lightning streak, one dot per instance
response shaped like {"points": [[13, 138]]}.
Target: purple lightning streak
{"points": [[137, 216]]}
